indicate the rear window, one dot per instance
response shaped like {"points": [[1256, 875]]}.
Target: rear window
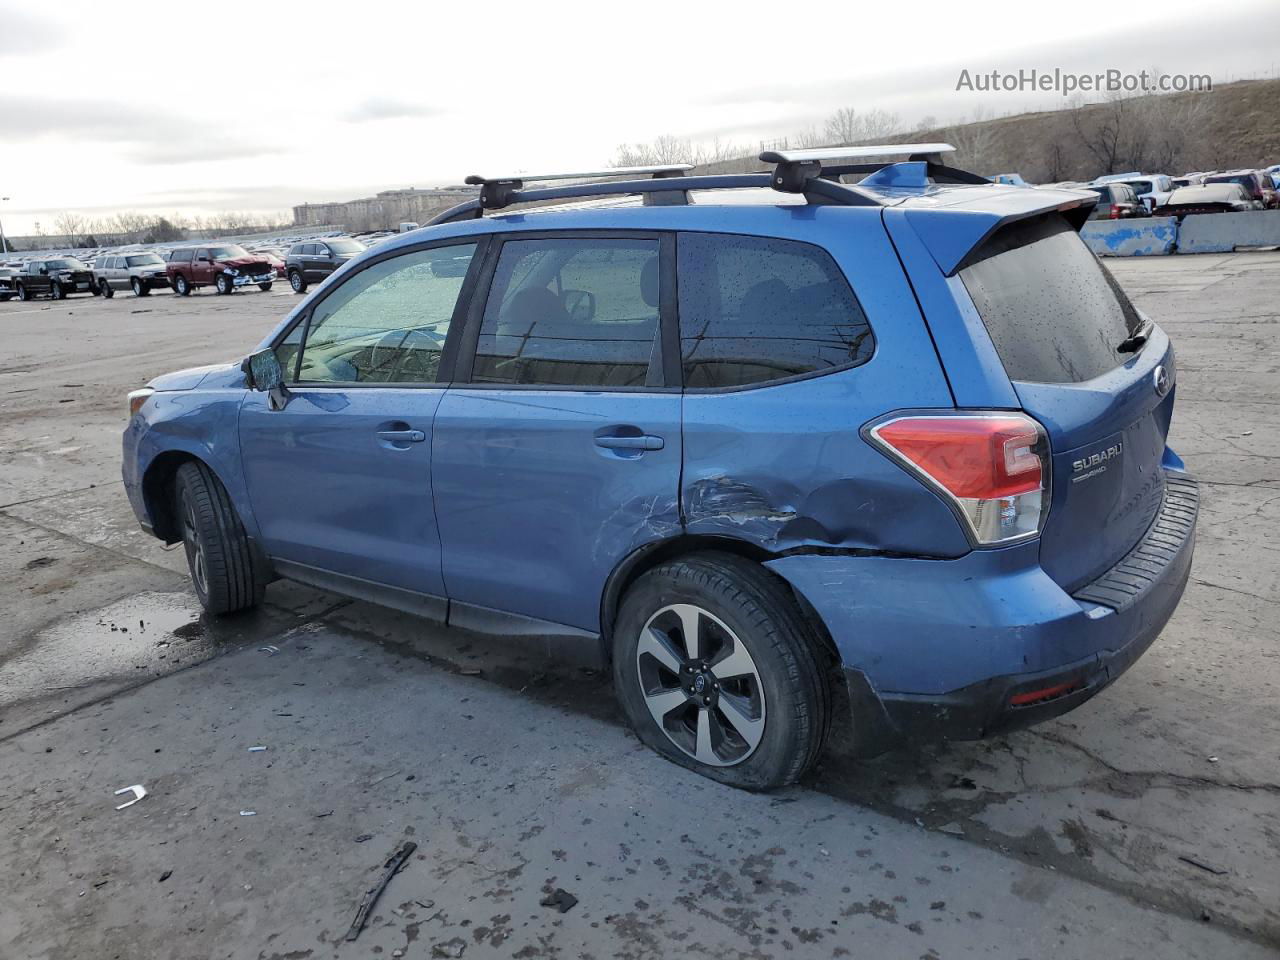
{"points": [[755, 309], [1054, 312]]}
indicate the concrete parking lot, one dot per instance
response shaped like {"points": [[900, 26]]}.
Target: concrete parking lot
{"points": [[1146, 823]]}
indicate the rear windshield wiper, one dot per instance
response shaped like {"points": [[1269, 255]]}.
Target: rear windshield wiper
{"points": [[1134, 342]]}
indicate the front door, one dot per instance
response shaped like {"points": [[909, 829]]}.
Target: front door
{"points": [[340, 479], [561, 455]]}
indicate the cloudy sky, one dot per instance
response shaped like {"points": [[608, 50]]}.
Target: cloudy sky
{"points": [[193, 107]]}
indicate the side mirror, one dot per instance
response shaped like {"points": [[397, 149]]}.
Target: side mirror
{"points": [[262, 371], [579, 304]]}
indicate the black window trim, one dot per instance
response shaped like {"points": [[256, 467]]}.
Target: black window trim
{"points": [[666, 314], [448, 355], [794, 378]]}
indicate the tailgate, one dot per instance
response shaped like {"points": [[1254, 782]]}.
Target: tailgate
{"points": [[1056, 318]]}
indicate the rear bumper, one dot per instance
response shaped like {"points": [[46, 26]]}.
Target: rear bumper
{"points": [[966, 648]]}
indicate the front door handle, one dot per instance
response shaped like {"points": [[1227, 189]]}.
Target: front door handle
{"points": [[402, 436], [643, 442]]}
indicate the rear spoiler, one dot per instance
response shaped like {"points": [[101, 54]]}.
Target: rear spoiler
{"points": [[955, 232]]}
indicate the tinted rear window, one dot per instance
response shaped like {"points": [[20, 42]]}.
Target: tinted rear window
{"points": [[1054, 313], [755, 309]]}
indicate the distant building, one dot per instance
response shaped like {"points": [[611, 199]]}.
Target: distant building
{"points": [[384, 211]]}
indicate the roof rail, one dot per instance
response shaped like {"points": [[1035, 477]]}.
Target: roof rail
{"points": [[794, 168], [497, 192]]}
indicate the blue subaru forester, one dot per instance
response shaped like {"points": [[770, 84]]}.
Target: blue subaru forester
{"points": [[779, 447]]}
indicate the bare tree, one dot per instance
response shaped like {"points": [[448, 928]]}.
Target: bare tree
{"points": [[848, 126], [975, 141], [71, 225]]}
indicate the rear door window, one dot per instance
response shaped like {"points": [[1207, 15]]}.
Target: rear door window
{"points": [[757, 309], [573, 312], [1054, 312]]}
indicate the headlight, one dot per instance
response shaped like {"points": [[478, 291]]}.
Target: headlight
{"points": [[234, 272], [137, 398]]}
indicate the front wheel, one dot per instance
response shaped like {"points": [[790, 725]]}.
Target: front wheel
{"points": [[295, 280], [104, 289], [223, 568], [22, 293], [717, 670], [140, 289], [181, 286], [223, 284], [264, 287], [56, 291]]}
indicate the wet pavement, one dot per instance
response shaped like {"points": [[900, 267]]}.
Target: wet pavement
{"points": [[1146, 821]]}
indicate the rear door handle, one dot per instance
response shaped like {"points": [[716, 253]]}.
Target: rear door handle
{"points": [[402, 436], [644, 442]]}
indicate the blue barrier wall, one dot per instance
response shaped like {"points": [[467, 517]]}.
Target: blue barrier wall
{"points": [[1224, 232], [1140, 237]]}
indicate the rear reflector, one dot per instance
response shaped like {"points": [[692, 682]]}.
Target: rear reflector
{"points": [[991, 467], [1048, 693]]}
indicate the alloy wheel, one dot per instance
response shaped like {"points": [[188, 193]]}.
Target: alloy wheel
{"points": [[701, 685], [194, 544]]}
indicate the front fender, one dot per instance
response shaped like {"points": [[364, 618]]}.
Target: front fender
{"points": [[199, 423]]}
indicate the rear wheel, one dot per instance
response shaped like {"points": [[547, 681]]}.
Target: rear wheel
{"points": [[181, 286], [295, 280], [718, 671], [223, 284], [105, 290], [223, 569]]}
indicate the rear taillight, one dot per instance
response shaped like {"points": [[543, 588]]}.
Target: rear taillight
{"points": [[991, 467], [1115, 211]]}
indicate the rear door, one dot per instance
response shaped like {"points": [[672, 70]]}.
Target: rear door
{"points": [[340, 479], [1056, 317], [559, 454]]}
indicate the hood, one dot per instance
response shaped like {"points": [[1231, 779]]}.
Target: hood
{"points": [[217, 375], [244, 262]]}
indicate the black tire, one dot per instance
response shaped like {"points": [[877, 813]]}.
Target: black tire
{"points": [[56, 292], [22, 293], [222, 283], [181, 287], [790, 679], [104, 290], [222, 563], [297, 282], [140, 289], [264, 287]]}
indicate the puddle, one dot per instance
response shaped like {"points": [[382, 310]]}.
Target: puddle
{"points": [[132, 639]]}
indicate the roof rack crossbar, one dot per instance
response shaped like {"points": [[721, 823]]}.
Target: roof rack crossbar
{"points": [[793, 169], [496, 192]]}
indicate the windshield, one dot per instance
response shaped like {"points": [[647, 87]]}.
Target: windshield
{"points": [[345, 246], [64, 263], [1054, 312], [144, 259], [232, 252]]}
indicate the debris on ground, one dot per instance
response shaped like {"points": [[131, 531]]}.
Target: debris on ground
{"points": [[562, 900], [393, 866], [40, 562], [449, 948], [138, 791], [387, 776], [1216, 871], [248, 813], [363, 837], [165, 876], [270, 649], [256, 749]]}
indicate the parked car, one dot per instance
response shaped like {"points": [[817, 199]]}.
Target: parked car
{"points": [[139, 272], [312, 261], [8, 280], [1208, 198], [227, 266], [760, 463], [57, 277], [1256, 186], [273, 258], [1151, 189], [1118, 201]]}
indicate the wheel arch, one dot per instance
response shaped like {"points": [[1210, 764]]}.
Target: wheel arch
{"points": [[157, 491], [645, 558]]}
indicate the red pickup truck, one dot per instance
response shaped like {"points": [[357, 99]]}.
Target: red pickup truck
{"points": [[227, 266]]}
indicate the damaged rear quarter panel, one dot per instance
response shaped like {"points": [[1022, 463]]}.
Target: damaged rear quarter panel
{"points": [[783, 466]]}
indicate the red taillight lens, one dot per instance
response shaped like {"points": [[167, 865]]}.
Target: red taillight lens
{"points": [[1115, 211], [990, 466]]}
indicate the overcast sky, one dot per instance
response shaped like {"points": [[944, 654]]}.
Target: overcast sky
{"points": [[185, 107]]}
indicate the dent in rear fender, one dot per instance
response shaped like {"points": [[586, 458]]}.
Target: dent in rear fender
{"points": [[204, 424], [933, 626]]}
